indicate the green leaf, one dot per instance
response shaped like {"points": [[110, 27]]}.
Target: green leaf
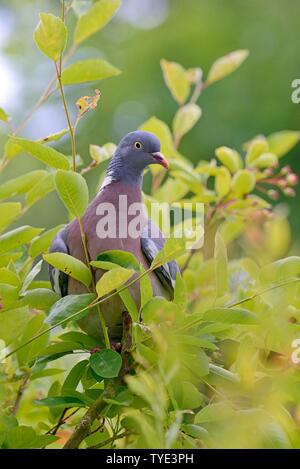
{"points": [[145, 288], [23, 437], [34, 326], [4, 116], [158, 310], [231, 316], [10, 277], [229, 158], [226, 65], [180, 293], [215, 413], [109, 259], [282, 142], [46, 155], [243, 182], [72, 380], [51, 35], [40, 298], [46, 373], [130, 305], [95, 19], [173, 248], [10, 211], [256, 147], [221, 265], [40, 189], [223, 373], [61, 402], [286, 268], [16, 238], [8, 295], [54, 137], [42, 243], [106, 363], [194, 430], [73, 191], [21, 184], [59, 348], [187, 395], [68, 306], [162, 131], [87, 70], [185, 119], [31, 276], [13, 323], [265, 160], [100, 154], [85, 340], [112, 280], [223, 181], [70, 265], [176, 79]]}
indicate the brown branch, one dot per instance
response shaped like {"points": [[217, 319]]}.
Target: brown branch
{"points": [[83, 428], [20, 394]]}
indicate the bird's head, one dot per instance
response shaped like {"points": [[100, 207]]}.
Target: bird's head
{"points": [[135, 152], [139, 149]]}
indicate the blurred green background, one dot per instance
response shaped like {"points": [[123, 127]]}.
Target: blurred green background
{"points": [[255, 99]]}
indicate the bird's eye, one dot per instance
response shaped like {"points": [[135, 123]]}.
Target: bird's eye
{"points": [[138, 145]]}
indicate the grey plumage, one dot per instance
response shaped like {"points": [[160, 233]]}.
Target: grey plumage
{"points": [[124, 177]]}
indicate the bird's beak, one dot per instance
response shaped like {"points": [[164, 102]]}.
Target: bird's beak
{"points": [[160, 159]]}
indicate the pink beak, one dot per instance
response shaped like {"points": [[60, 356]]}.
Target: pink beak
{"points": [[159, 157]]}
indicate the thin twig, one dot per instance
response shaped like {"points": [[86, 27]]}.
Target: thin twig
{"points": [[63, 419], [62, 92], [109, 440]]}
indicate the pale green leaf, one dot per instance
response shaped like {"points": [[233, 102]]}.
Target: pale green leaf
{"points": [[226, 65], [221, 265], [185, 119], [243, 182], [16, 238], [95, 19], [42, 243], [229, 158], [46, 155], [282, 142], [162, 131], [73, 191], [13, 323], [222, 181], [113, 279], [87, 70], [255, 148], [3, 115], [70, 265], [176, 79], [40, 189], [10, 211], [173, 248], [51, 35], [231, 316], [21, 184]]}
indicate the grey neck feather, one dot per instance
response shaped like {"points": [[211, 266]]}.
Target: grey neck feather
{"points": [[118, 170]]}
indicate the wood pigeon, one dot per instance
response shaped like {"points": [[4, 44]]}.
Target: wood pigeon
{"points": [[124, 177]]}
